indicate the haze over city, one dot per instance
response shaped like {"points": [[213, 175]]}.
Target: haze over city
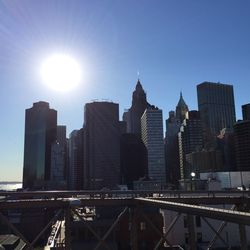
{"points": [[174, 45]]}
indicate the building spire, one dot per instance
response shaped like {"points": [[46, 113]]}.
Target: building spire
{"points": [[139, 86], [181, 108], [181, 102]]}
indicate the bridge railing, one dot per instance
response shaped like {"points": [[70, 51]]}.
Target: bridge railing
{"points": [[117, 193], [66, 203]]}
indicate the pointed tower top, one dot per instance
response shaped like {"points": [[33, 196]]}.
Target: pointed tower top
{"points": [[138, 85], [181, 102], [139, 95]]}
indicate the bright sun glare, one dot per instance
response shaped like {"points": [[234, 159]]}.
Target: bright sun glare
{"points": [[61, 72]]}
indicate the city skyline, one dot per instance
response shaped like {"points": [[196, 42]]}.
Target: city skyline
{"points": [[174, 46]]}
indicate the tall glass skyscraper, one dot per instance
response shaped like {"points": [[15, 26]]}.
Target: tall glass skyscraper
{"points": [[152, 136], [75, 171], [40, 133], [59, 157], [216, 106]]}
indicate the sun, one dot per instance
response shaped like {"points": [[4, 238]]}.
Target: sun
{"points": [[61, 72]]}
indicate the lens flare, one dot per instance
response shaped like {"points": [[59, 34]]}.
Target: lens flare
{"points": [[61, 72]]}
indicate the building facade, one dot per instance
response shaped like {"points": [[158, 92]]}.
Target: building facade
{"points": [[173, 124], [101, 145], [242, 140], [57, 171], [225, 144], [61, 134], [190, 140], [242, 145], [75, 159], [134, 161], [40, 134], [217, 109], [172, 149], [246, 111], [59, 160], [152, 136], [204, 161]]}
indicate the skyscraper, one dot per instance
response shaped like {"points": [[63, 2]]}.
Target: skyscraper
{"points": [[190, 140], [216, 106], [225, 144], [172, 149], [133, 115], [246, 111], [173, 124], [57, 171], [152, 136], [242, 145], [75, 170], [134, 161], [58, 159], [101, 145], [242, 141], [40, 133], [61, 134]]}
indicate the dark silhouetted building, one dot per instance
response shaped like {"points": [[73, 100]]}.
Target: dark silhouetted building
{"points": [[40, 133], [134, 114], [62, 139], [101, 145], [181, 109], [242, 145], [172, 149], [190, 140], [225, 143], [61, 134], [246, 111], [76, 160], [123, 127], [59, 160], [204, 161], [242, 140], [152, 137], [217, 109], [134, 159]]}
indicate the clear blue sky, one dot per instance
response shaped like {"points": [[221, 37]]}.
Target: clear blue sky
{"points": [[174, 44]]}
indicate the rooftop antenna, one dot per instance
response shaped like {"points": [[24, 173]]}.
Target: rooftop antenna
{"points": [[138, 74]]}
